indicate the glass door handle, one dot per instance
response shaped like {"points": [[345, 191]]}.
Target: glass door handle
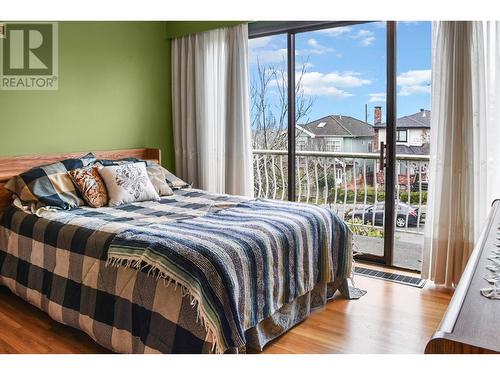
{"points": [[382, 157]]}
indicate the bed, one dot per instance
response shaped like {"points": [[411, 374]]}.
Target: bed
{"points": [[192, 273]]}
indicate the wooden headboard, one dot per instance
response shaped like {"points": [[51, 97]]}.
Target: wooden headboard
{"points": [[12, 166]]}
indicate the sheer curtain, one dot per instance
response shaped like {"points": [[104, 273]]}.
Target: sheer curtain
{"points": [[465, 155], [211, 115]]}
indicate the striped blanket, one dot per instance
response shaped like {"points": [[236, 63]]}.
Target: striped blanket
{"points": [[242, 263]]}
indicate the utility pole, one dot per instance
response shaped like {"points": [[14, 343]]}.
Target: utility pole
{"points": [[366, 112]]}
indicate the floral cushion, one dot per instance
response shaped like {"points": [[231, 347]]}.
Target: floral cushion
{"points": [[127, 183], [89, 183]]}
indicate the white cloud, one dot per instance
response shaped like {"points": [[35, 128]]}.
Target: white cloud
{"points": [[265, 51], [408, 22], [414, 82], [312, 42], [346, 79], [367, 41], [316, 48], [256, 43], [365, 37], [331, 84], [363, 33], [414, 89], [376, 97], [265, 56], [413, 77], [336, 31]]}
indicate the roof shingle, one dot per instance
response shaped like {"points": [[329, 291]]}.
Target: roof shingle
{"points": [[421, 119], [340, 126]]}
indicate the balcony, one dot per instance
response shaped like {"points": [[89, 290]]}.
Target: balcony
{"points": [[352, 185]]}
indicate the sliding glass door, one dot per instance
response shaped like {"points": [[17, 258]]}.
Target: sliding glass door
{"points": [[340, 76], [324, 126], [412, 141]]}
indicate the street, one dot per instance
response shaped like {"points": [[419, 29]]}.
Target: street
{"points": [[407, 248]]}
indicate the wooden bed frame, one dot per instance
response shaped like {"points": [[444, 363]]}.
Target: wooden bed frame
{"points": [[12, 166]]}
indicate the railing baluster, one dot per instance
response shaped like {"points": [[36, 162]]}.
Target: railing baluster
{"points": [[419, 195], [259, 179], [385, 185], [282, 179], [375, 183], [344, 180], [317, 180], [335, 184], [274, 177], [266, 175], [308, 181], [354, 175], [365, 188], [408, 190], [398, 188], [325, 167], [299, 179]]}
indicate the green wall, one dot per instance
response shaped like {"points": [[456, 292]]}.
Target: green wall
{"points": [[114, 92]]}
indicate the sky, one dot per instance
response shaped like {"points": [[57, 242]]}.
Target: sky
{"points": [[346, 67]]}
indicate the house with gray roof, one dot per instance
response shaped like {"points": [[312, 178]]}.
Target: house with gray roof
{"points": [[412, 133], [337, 133]]}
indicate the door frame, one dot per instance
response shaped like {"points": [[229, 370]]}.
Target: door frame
{"points": [[260, 29]]}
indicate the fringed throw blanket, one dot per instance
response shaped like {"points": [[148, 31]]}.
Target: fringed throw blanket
{"points": [[241, 264]]}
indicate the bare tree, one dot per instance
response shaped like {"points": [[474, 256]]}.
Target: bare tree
{"points": [[269, 114]]}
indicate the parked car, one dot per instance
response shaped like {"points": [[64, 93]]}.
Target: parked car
{"points": [[374, 214]]}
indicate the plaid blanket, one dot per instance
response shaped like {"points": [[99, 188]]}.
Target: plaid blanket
{"points": [[241, 264], [265, 254], [57, 262]]}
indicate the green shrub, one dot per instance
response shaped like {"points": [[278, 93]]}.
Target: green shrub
{"points": [[414, 197], [357, 227], [370, 196]]}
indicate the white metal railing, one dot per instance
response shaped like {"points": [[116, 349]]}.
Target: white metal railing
{"points": [[350, 183]]}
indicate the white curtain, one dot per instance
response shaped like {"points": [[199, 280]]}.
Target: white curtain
{"points": [[465, 152], [211, 115]]}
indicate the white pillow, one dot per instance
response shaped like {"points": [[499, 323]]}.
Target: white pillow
{"points": [[128, 183]]}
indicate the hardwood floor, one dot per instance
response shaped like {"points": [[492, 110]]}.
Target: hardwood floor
{"points": [[390, 318]]}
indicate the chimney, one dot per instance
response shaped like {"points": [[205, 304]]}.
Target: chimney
{"points": [[377, 116], [422, 111]]}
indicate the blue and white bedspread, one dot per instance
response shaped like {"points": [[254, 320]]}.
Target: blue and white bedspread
{"points": [[240, 263]]}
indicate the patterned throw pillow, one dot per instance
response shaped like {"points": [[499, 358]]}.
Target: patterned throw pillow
{"points": [[90, 184], [172, 180], [157, 177], [50, 185], [128, 183]]}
